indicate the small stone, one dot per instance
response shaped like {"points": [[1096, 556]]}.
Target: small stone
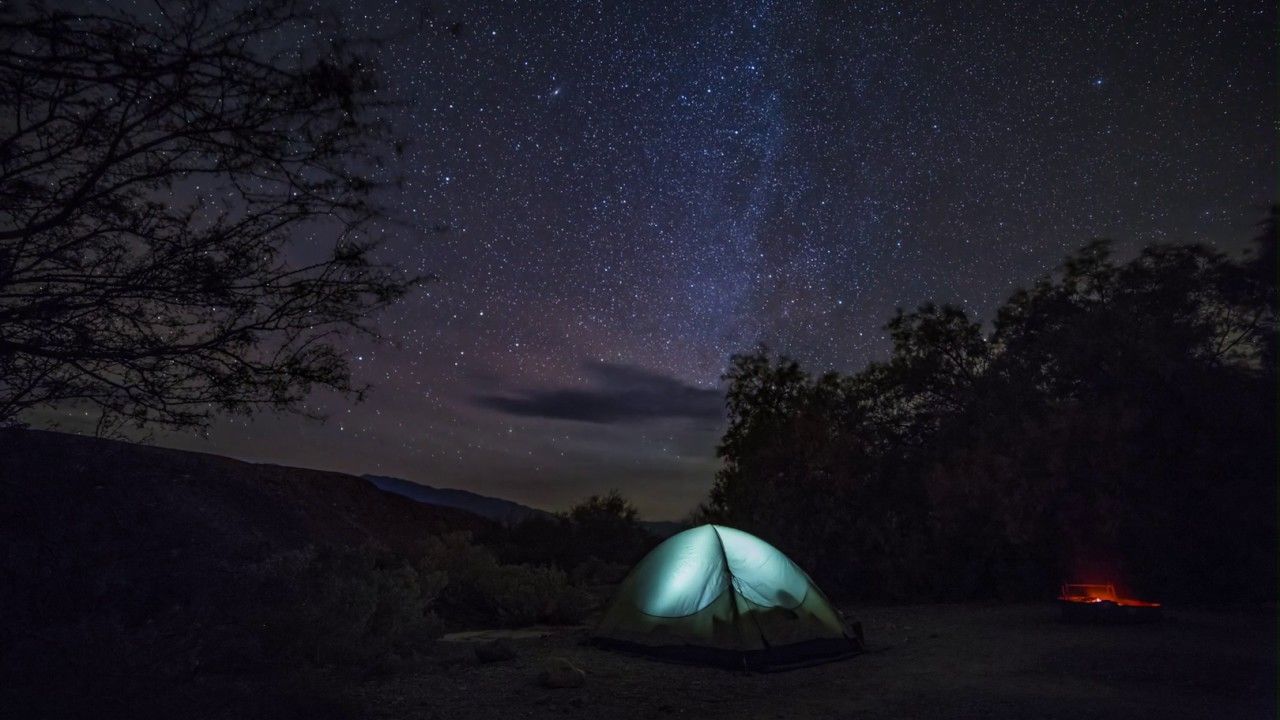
{"points": [[560, 673], [495, 651]]}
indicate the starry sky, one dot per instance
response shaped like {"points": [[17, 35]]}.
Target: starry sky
{"points": [[634, 191]]}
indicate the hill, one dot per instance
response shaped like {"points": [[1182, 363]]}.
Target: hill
{"points": [[139, 581], [173, 511], [496, 509]]}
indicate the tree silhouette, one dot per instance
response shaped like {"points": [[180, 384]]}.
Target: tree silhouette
{"points": [[186, 220], [1117, 413]]}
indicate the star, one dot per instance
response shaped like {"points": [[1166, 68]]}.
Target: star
{"points": [[728, 176]]}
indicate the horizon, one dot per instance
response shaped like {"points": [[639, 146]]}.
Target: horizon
{"points": [[631, 360], [615, 200]]}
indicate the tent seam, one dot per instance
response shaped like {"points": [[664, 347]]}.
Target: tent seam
{"points": [[733, 584]]}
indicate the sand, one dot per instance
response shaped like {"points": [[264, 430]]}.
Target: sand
{"points": [[942, 661]]}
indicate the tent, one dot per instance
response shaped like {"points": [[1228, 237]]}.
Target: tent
{"points": [[716, 595]]}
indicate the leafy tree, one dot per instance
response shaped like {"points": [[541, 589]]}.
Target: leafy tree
{"points": [[1157, 378], [1119, 415], [599, 529], [186, 212], [803, 466], [611, 509], [607, 527], [939, 356], [1140, 327]]}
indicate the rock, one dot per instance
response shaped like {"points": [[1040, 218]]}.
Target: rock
{"points": [[495, 651], [560, 673]]}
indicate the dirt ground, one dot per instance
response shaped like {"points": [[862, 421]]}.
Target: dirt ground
{"points": [[942, 661]]}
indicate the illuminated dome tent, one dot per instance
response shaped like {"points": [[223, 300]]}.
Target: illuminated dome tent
{"points": [[720, 596]]}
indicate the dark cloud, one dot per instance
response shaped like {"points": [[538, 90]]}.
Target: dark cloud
{"points": [[620, 393]]}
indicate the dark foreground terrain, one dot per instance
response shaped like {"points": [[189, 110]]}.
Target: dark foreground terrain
{"points": [[141, 582], [947, 661]]}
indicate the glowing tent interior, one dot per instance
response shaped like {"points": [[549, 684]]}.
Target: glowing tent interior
{"points": [[715, 595]]}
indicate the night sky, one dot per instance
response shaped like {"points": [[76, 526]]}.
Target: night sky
{"points": [[635, 191]]}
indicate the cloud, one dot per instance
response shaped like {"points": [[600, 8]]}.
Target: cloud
{"points": [[620, 394]]}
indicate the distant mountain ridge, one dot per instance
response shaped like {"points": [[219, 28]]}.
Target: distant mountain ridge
{"points": [[497, 509], [491, 508], [163, 521]]}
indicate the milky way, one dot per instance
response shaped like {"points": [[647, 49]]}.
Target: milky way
{"points": [[616, 197]]}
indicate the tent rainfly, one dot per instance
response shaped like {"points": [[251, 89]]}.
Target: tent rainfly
{"points": [[719, 596]]}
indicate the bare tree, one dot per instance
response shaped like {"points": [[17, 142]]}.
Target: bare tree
{"points": [[186, 213]]}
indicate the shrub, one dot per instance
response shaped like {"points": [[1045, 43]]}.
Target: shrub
{"points": [[482, 590], [342, 607], [594, 571], [601, 527]]}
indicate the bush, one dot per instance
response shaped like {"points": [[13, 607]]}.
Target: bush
{"points": [[289, 636], [594, 571], [482, 590], [602, 528], [342, 607]]}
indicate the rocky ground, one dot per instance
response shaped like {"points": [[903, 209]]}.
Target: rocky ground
{"points": [[947, 661]]}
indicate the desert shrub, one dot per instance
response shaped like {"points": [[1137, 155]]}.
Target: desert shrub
{"points": [[608, 527], [604, 528], [536, 540], [480, 589], [343, 607], [594, 571], [101, 666], [188, 661]]}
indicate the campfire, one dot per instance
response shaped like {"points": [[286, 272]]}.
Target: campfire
{"points": [[1101, 603]]}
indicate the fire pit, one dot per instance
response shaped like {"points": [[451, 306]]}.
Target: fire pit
{"points": [[1100, 603]]}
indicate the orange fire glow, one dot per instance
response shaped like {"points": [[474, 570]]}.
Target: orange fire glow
{"points": [[1098, 594]]}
